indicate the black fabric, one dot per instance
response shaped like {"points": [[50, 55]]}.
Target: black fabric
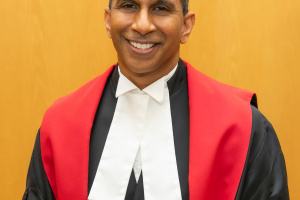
{"points": [[139, 192], [179, 103], [253, 101], [264, 176], [131, 188], [37, 184], [100, 129]]}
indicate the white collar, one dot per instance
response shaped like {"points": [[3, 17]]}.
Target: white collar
{"points": [[154, 90], [140, 138]]}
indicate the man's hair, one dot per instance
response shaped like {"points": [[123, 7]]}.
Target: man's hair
{"points": [[184, 3]]}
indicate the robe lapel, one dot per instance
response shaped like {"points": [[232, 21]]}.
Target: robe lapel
{"points": [[65, 138], [220, 128]]}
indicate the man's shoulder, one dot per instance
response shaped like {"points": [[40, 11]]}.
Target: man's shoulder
{"points": [[89, 90], [82, 102], [65, 131], [202, 83]]}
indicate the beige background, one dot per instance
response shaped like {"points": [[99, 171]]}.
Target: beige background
{"points": [[48, 48]]}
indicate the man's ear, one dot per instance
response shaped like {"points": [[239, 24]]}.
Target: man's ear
{"points": [[107, 21], [189, 21]]}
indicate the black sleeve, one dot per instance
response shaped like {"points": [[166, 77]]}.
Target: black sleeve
{"points": [[264, 176], [37, 184]]}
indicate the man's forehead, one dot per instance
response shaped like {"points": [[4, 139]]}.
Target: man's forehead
{"points": [[149, 1]]}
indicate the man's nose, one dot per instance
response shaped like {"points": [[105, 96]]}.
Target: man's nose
{"points": [[143, 23]]}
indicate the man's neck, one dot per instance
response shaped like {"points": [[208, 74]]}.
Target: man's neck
{"points": [[142, 80]]}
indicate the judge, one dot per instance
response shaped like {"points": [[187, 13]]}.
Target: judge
{"points": [[152, 127]]}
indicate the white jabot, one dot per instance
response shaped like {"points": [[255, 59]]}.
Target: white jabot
{"points": [[140, 138]]}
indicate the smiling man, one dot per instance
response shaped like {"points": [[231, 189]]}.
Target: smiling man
{"points": [[152, 127], [147, 36]]}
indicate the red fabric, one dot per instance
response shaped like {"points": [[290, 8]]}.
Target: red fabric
{"points": [[220, 127], [65, 139]]}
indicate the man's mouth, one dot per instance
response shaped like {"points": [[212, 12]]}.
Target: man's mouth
{"points": [[142, 46]]}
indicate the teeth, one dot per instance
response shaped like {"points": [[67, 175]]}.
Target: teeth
{"points": [[141, 46]]}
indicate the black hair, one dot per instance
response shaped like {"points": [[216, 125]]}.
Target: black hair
{"points": [[184, 3]]}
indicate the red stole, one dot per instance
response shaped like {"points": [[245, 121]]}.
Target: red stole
{"points": [[220, 128]]}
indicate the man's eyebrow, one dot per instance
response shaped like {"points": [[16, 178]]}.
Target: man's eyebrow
{"points": [[119, 1], [165, 2]]}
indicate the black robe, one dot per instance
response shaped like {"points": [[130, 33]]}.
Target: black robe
{"points": [[264, 175]]}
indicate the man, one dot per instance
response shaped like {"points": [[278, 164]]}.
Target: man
{"points": [[152, 127]]}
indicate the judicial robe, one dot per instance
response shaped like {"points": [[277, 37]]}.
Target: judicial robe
{"points": [[225, 148]]}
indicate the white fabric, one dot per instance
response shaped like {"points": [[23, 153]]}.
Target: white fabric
{"points": [[140, 136], [137, 165]]}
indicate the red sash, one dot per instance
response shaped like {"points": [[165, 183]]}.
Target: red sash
{"points": [[220, 128]]}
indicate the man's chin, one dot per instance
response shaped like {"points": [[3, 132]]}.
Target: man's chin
{"points": [[141, 70]]}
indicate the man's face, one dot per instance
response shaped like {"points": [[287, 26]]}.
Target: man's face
{"points": [[147, 34]]}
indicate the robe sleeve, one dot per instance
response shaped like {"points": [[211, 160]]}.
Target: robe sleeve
{"points": [[264, 176], [37, 184]]}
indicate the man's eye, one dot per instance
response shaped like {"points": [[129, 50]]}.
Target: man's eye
{"points": [[128, 6], [161, 8]]}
